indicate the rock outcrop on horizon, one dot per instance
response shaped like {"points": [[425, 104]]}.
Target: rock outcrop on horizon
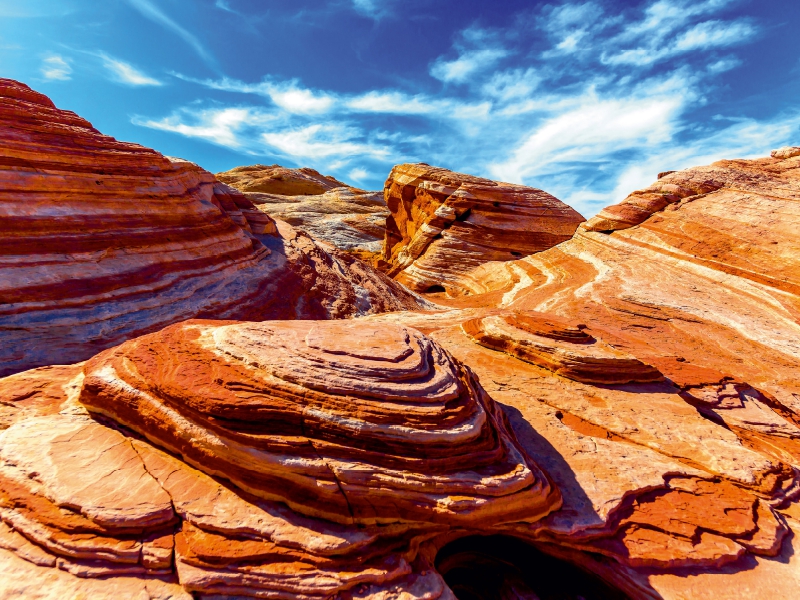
{"points": [[613, 416], [443, 225], [346, 217], [105, 240]]}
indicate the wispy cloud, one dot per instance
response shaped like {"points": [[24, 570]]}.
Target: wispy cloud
{"points": [[223, 5], [373, 9], [551, 101], [155, 14], [55, 67], [221, 126], [478, 50], [703, 36], [466, 65], [125, 73]]}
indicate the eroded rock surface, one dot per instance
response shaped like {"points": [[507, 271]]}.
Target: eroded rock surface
{"points": [[443, 225], [683, 488], [346, 217], [274, 179], [627, 401], [104, 240], [306, 459]]}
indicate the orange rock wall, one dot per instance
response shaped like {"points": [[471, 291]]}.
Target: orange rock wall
{"points": [[103, 240], [444, 225]]}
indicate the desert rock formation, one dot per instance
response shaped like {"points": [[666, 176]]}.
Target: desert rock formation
{"points": [[349, 444], [681, 488], [443, 225], [104, 240], [274, 179], [348, 218], [615, 416]]}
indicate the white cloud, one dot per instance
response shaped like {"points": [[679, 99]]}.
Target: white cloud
{"points": [[466, 65], [703, 36], [358, 174], [322, 140], [219, 125], [155, 14], [294, 99], [374, 9], [126, 73], [512, 84], [598, 128], [55, 67], [392, 101], [724, 64]]}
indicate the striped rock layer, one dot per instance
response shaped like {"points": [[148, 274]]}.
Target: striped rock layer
{"points": [[346, 217], [444, 225], [304, 459], [683, 488], [103, 240], [556, 345]]}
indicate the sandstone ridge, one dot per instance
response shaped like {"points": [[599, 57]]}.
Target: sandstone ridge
{"points": [[443, 225], [348, 218], [613, 414], [105, 240]]}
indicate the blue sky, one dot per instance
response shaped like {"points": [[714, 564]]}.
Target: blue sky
{"points": [[587, 100]]}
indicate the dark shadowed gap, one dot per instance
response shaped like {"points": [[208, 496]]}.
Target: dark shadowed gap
{"points": [[435, 289], [504, 568]]}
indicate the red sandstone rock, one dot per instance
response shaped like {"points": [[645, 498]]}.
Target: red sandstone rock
{"points": [[556, 345], [355, 423], [103, 240], [444, 225], [337, 458]]}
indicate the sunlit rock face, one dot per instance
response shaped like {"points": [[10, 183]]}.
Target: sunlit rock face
{"points": [[105, 240], [332, 212], [626, 402], [443, 225], [686, 487], [307, 458], [274, 179], [560, 347]]}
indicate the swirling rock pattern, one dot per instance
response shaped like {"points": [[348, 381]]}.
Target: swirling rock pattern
{"points": [[688, 487], [348, 446], [342, 421], [444, 225], [103, 240], [560, 347]]}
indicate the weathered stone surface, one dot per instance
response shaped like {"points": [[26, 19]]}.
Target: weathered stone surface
{"points": [[627, 401], [667, 480], [274, 179], [444, 225], [348, 218], [349, 445], [344, 421], [103, 240], [558, 346]]}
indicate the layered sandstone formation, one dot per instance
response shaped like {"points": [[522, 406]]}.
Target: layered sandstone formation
{"points": [[346, 217], [104, 240], [443, 225], [615, 416], [322, 453], [560, 347], [274, 179], [683, 488]]}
